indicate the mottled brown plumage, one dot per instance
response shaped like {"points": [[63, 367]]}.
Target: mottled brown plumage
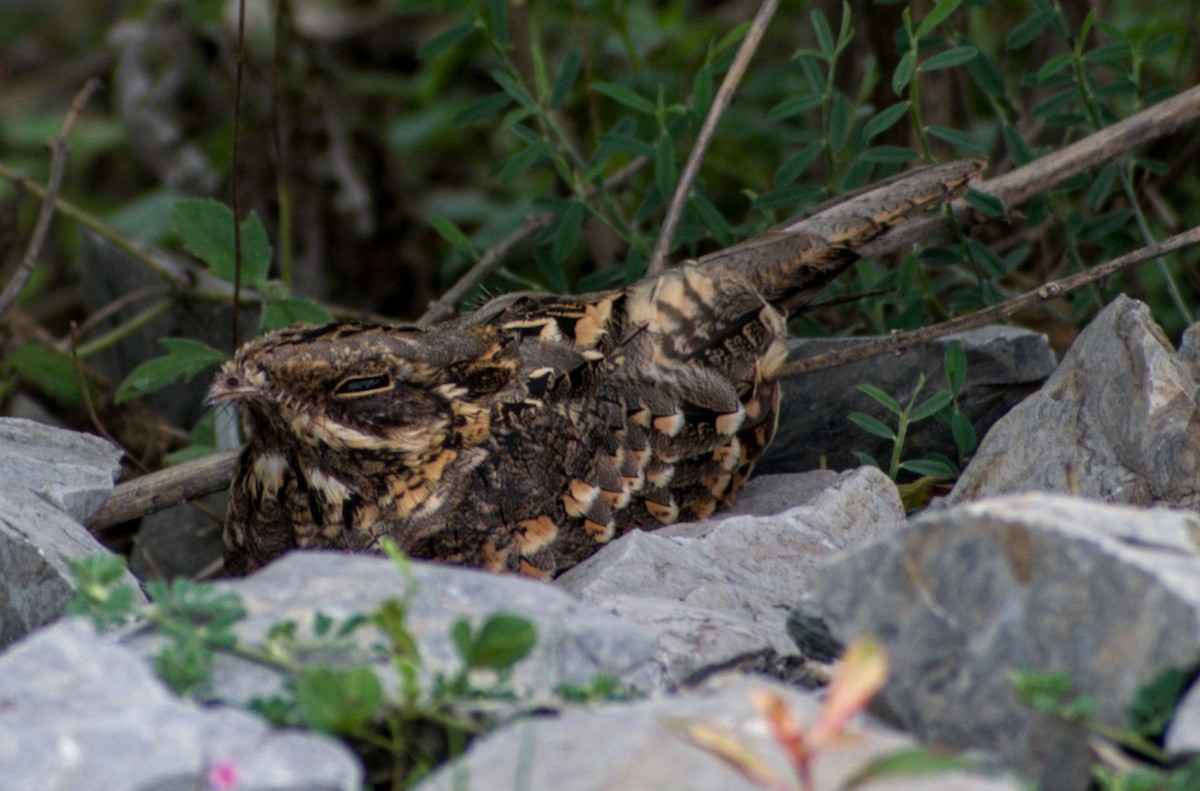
{"points": [[528, 434]]}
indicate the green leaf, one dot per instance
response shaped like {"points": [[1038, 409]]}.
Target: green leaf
{"points": [[206, 228], [937, 16], [987, 75], [988, 204], [519, 163], [790, 196], [823, 33], [960, 140], [567, 233], [50, 370], [460, 635], [338, 701], [1155, 702], [906, 762], [185, 357], [930, 406], [664, 166], [796, 164], [904, 72], [884, 120], [882, 398], [514, 89], [951, 57], [452, 234], [1108, 54], [794, 106], [888, 154], [954, 363], [866, 460], [482, 108], [839, 120], [568, 72], [501, 642], [702, 90], [551, 270], [445, 40], [625, 96], [712, 219], [282, 312], [964, 434], [499, 15], [1025, 32], [872, 425], [932, 468]]}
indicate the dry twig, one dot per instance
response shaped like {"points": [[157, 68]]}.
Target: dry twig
{"points": [[58, 166], [160, 490], [724, 95], [1056, 288]]}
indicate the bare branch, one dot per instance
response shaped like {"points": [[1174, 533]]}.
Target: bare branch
{"points": [[58, 165], [1056, 288], [160, 490], [724, 96], [1018, 186]]}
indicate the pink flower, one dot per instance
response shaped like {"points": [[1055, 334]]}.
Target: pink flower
{"points": [[223, 776]]}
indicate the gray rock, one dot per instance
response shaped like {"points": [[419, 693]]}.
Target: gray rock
{"points": [[717, 592], [70, 470], [180, 541], [1183, 735], [52, 480], [1118, 421], [963, 597], [1004, 365], [643, 745], [576, 642], [79, 712]]}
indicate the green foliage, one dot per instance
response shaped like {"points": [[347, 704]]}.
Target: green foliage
{"points": [[184, 358], [331, 681], [1150, 712]]}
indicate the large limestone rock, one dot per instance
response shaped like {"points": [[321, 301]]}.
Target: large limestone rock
{"points": [[963, 597], [77, 712], [52, 481], [1118, 421], [717, 592], [1004, 365], [641, 746]]}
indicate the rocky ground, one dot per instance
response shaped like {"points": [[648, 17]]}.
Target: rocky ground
{"points": [[1071, 543]]}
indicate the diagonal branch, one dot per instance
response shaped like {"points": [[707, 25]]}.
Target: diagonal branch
{"points": [[58, 166], [724, 96], [1055, 288]]}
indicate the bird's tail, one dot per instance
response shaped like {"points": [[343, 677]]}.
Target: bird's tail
{"points": [[792, 263]]}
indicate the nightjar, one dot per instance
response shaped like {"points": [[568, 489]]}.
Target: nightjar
{"points": [[528, 434]]}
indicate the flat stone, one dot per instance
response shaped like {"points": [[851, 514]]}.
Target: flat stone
{"points": [[963, 597], [77, 711], [575, 641], [1118, 421], [1004, 365], [1183, 734], [70, 470], [37, 544], [644, 746], [717, 592]]}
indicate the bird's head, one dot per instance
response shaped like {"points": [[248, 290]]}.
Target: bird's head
{"points": [[392, 391]]}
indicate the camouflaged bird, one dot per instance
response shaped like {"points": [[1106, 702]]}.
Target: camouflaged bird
{"points": [[525, 436]]}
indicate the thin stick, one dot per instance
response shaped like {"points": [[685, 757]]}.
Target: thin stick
{"points": [[683, 190], [233, 169], [1051, 290], [160, 490], [446, 306], [58, 166], [81, 377], [1018, 186]]}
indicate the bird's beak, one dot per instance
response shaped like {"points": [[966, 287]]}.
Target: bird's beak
{"points": [[229, 386]]}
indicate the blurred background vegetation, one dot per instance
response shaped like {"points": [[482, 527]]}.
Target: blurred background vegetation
{"points": [[386, 144]]}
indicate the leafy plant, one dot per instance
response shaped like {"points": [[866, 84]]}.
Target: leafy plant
{"points": [[1144, 765], [331, 683]]}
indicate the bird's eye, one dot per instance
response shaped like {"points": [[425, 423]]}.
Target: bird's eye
{"points": [[363, 385]]}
